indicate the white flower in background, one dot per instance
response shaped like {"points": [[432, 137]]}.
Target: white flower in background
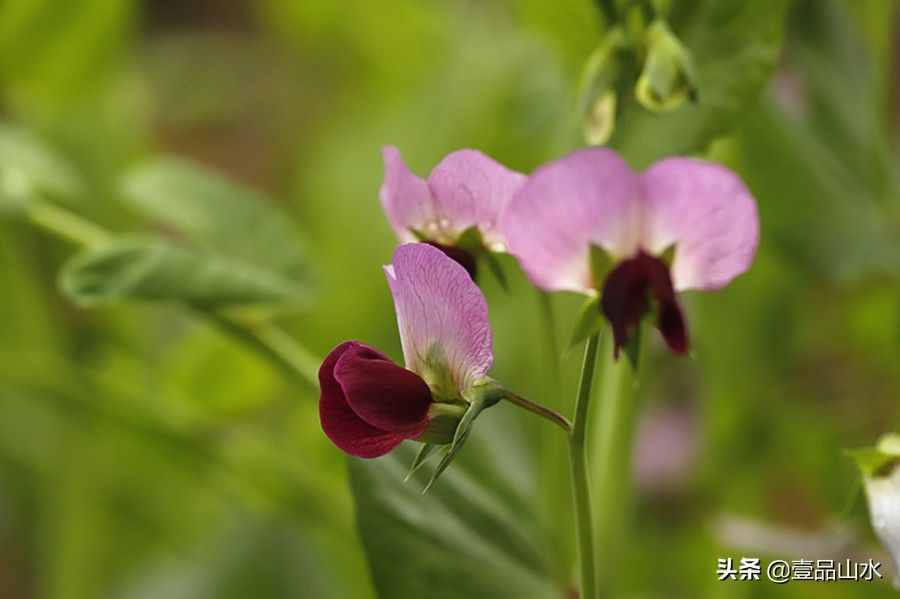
{"points": [[881, 476]]}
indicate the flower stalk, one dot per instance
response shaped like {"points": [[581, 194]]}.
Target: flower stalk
{"points": [[616, 422], [580, 484]]}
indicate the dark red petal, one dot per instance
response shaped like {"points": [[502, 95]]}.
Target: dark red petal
{"points": [[463, 257], [340, 423], [384, 395], [671, 325], [625, 300]]}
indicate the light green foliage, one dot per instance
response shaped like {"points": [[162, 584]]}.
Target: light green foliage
{"points": [[470, 536], [140, 268]]}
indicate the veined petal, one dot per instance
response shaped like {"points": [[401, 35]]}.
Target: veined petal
{"points": [[590, 197], [340, 423], [472, 190], [385, 395], [710, 216], [442, 317], [406, 199]]}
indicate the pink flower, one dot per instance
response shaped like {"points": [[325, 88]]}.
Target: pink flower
{"points": [[368, 404], [466, 192], [591, 203]]}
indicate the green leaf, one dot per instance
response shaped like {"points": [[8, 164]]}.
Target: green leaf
{"points": [[589, 321], [141, 268], [29, 168], [217, 215], [734, 45], [471, 536]]}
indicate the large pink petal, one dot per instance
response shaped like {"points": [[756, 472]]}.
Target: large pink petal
{"points": [[405, 197], [710, 216], [340, 423], [472, 190], [588, 197], [389, 397], [442, 316]]}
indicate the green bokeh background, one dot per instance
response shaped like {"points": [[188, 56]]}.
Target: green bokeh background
{"points": [[145, 454]]}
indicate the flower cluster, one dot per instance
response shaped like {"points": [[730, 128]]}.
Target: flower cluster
{"points": [[585, 223]]}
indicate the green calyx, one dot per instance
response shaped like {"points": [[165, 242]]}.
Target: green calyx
{"points": [[451, 425], [668, 78]]}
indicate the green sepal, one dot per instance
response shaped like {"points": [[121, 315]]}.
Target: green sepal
{"points": [[601, 265], [471, 241], [668, 255], [590, 321], [879, 460], [443, 420], [633, 347], [481, 397], [425, 452], [496, 269], [419, 235]]}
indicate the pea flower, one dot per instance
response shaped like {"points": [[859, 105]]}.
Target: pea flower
{"points": [[369, 404], [456, 209], [588, 223]]}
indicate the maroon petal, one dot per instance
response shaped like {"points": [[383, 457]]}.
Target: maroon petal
{"points": [[386, 396], [340, 423], [626, 298]]}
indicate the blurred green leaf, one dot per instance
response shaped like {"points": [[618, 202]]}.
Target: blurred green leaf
{"points": [[52, 53], [29, 168], [138, 268], [467, 538], [217, 215], [735, 45]]}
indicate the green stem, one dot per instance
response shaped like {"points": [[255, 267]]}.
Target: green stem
{"points": [[274, 344], [67, 224], [616, 421], [542, 411], [553, 476], [580, 485]]}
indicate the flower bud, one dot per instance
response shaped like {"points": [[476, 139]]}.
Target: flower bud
{"points": [[668, 77], [598, 82]]}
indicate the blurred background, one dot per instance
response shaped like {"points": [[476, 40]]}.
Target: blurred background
{"points": [[147, 450]]}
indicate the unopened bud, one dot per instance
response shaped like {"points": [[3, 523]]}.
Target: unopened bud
{"points": [[668, 77]]}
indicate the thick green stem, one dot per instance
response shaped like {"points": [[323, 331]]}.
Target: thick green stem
{"points": [[580, 484], [615, 422], [553, 475]]}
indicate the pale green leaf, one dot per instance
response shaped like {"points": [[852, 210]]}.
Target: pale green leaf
{"points": [[139, 268]]}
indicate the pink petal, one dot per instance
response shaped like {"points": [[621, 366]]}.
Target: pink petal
{"points": [[588, 197], [340, 423], [707, 211], [441, 314], [405, 197], [389, 397], [472, 190]]}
